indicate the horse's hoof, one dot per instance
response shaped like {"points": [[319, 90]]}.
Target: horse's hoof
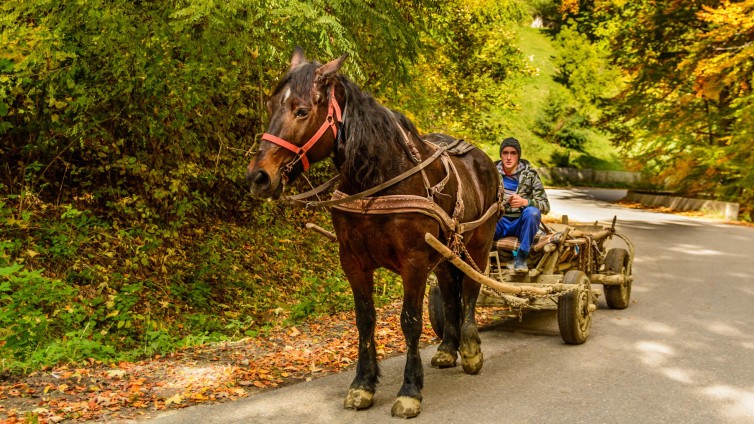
{"points": [[472, 360], [406, 407], [444, 359], [358, 399]]}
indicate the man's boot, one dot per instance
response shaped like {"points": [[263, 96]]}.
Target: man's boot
{"points": [[519, 261]]}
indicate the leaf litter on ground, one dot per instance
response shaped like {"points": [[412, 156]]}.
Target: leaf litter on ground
{"points": [[203, 374]]}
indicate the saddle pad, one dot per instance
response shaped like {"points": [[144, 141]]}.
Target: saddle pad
{"points": [[540, 241], [456, 147], [459, 147]]}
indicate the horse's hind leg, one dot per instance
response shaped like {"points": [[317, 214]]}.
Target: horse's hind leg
{"points": [[361, 391], [449, 280], [408, 404], [471, 352], [472, 358]]}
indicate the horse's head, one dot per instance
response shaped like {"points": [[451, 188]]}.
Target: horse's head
{"points": [[304, 115]]}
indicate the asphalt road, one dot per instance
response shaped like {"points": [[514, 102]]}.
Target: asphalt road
{"points": [[683, 352]]}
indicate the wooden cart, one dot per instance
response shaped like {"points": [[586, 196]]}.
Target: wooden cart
{"points": [[565, 261]]}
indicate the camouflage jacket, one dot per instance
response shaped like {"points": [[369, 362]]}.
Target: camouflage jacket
{"points": [[529, 187]]}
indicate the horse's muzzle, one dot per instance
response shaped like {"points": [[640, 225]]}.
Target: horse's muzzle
{"points": [[262, 184]]}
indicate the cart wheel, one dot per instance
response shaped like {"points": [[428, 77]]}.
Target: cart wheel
{"points": [[436, 308], [618, 296], [574, 311]]}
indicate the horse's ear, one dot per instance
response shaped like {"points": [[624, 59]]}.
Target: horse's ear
{"points": [[297, 58], [327, 71]]}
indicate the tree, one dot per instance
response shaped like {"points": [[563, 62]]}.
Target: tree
{"points": [[686, 107], [469, 71]]}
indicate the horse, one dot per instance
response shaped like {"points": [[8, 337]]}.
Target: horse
{"points": [[315, 113]]}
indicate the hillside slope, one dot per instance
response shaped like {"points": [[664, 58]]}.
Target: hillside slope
{"points": [[597, 153]]}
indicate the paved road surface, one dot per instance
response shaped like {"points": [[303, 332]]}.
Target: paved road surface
{"points": [[683, 352]]}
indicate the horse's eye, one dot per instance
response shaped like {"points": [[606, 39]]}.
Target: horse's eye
{"points": [[300, 113]]}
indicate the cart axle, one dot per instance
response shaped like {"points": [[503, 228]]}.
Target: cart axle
{"points": [[611, 280]]}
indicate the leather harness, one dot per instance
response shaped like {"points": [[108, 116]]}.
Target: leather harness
{"points": [[364, 204]]}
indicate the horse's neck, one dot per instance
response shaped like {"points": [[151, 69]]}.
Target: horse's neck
{"points": [[392, 158], [355, 180], [376, 146]]}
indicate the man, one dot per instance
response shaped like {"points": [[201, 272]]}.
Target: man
{"points": [[525, 201]]}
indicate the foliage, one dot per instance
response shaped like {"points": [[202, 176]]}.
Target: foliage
{"points": [[125, 227], [685, 112], [559, 121], [95, 112], [470, 70], [587, 81], [123, 126], [583, 67]]}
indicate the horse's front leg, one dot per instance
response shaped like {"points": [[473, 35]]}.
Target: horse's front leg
{"points": [[361, 392], [408, 403]]}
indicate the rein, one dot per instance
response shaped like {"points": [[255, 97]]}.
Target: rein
{"points": [[298, 199], [361, 203], [331, 122]]}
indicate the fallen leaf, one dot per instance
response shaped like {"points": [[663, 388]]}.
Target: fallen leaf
{"points": [[177, 399]]}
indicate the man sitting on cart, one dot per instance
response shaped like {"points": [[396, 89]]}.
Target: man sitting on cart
{"points": [[525, 201]]}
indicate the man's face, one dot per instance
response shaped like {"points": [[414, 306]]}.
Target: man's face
{"points": [[509, 157]]}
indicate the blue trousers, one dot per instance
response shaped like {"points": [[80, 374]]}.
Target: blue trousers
{"points": [[525, 227]]}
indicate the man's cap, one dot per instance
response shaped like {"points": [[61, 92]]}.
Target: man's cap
{"points": [[511, 142]]}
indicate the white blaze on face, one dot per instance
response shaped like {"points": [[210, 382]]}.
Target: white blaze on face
{"points": [[286, 95]]}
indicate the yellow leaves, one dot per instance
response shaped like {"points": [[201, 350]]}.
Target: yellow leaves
{"points": [[176, 399], [254, 53], [199, 397], [569, 7], [721, 58], [116, 373], [734, 17]]}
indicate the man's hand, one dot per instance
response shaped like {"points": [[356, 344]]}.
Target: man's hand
{"points": [[517, 201]]}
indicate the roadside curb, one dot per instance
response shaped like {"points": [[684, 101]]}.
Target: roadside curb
{"points": [[728, 210]]}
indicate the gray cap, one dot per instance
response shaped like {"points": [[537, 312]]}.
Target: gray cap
{"points": [[511, 142]]}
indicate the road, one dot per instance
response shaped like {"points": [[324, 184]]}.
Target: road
{"points": [[683, 352]]}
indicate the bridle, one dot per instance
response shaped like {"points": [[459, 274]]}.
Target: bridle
{"points": [[331, 122]]}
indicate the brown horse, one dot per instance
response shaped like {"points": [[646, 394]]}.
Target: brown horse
{"points": [[316, 113]]}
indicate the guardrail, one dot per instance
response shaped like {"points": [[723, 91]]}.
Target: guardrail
{"points": [[589, 176], [727, 209]]}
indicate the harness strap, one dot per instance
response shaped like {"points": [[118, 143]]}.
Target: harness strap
{"points": [[363, 194], [439, 187], [393, 204], [381, 205], [408, 145], [413, 152], [298, 197]]}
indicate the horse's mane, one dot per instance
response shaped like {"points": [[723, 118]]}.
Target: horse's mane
{"points": [[372, 139]]}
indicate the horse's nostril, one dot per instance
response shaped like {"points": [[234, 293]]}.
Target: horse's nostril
{"points": [[258, 178], [262, 179]]}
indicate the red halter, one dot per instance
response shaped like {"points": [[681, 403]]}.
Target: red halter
{"points": [[333, 117]]}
